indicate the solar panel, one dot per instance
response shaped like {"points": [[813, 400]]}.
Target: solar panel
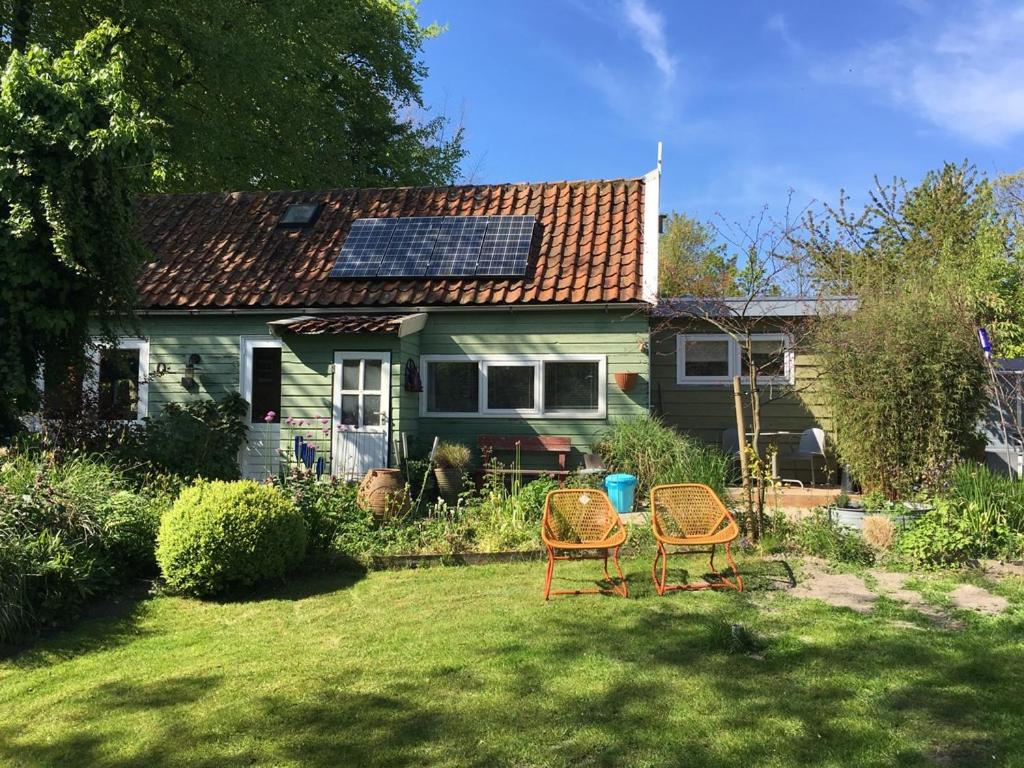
{"points": [[458, 246], [409, 252], [437, 246], [506, 245], [364, 248]]}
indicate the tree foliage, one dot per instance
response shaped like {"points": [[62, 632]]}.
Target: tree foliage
{"points": [[691, 262], [74, 148], [906, 384], [304, 93]]}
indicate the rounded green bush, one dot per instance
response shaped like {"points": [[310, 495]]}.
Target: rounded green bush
{"points": [[221, 535]]}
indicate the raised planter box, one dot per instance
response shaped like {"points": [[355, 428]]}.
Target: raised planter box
{"points": [[853, 517]]}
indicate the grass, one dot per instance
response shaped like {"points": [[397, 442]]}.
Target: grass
{"points": [[469, 667]]}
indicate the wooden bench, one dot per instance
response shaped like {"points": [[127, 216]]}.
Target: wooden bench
{"points": [[548, 444]]}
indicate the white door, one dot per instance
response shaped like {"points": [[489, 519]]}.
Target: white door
{"points": [[260, 385], [362, 385]]}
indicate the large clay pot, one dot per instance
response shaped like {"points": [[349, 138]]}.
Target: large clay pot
{"points": [[449, 484], [383, 492]]}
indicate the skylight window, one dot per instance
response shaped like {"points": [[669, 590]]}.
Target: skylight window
{"points": [[299, 214]]}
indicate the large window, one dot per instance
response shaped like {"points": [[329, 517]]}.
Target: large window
{"points": [[552, 386], [265, 385], [710, 358], [121, 380]]}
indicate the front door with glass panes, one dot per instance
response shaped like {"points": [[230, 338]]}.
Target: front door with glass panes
{"points": [[261, 388], [361, 412]]}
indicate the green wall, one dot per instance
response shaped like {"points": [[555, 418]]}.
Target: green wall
{"points": [[705, 410], [306, 360]]}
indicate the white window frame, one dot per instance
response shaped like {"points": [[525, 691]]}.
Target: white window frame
{"points": [[735, 362], [93, 379], [537, 362]]}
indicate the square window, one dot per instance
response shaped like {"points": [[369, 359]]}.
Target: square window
{"points": [[299, 214], [453, 387], [706, 358], [118, 392], [769, 358], [510, 387], [571, 386]]}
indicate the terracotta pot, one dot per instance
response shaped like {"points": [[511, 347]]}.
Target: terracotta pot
{"points": [[626, 381], [449, 484], [383, 492]]}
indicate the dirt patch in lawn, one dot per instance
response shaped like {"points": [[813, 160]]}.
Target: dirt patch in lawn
{"points": [[893, 586], [971, 598], [843, 590]]}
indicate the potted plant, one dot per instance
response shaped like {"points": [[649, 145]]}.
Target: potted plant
{"points": [[450, 462], [848, 512]]}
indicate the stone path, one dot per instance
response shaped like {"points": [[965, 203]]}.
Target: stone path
{"points": [[847, 590]]}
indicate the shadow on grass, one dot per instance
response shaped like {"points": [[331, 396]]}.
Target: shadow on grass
{"points": [[299, 586], [587, 682]]}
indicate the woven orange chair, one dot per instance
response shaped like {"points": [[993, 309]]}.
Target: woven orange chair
{"points": [[691, 515], [576, 521]]}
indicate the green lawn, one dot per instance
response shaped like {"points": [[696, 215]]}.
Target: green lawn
{"points": [[469, 667]]}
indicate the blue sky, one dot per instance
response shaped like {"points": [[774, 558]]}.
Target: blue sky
{"points": [[750, 98]]}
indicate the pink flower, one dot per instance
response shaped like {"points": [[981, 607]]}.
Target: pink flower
{"points": [[271, 415]]}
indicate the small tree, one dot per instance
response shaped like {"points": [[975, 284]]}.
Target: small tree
{"points": [[73, 150], [906, 383]]}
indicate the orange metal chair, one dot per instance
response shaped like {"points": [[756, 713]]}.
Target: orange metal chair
{"points": [[691, 515], [576, 521]]}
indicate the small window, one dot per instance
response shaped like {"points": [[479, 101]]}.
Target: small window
{"points": [[266, 385], [572, 386], [299, 214], [769, 358], [706, 357], [453, 387], [118, 390], [511, 387]]}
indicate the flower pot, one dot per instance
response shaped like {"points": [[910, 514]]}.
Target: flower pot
{"points": [[626, 381], [849, 517], [383, 492], [449, 484]]}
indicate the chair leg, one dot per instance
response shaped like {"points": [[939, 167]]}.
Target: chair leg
{"points": [[661, 584], [622, 576], [654, 570], [735, 571], [550, 573]]}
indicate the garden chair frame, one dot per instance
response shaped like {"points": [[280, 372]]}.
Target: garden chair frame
{"points": [[696, 511], [598, 534]]}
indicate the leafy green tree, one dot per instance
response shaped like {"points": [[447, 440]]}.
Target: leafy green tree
{"points": [[304, 93], [74, 149], [692, 263], [948, 229]]}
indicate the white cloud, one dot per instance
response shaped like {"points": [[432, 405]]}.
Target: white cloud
{"points": [[963, 73], [778, 24], [649, 27]]}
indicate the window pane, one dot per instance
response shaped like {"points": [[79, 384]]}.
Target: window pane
{"points": [[453, 387], [350, 374], [371, 375], [119, 384], [706, 357], [371, 411], [769, 357], [509, 387], [571, 386], [350, 410], [266, 384]]}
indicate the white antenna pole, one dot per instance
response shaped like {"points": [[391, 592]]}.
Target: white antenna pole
{"points": [[659, 157]]}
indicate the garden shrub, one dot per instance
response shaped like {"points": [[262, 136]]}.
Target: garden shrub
{"points": [[222, 535], [200, 438], [905, 382], [655, 453], [69, 530], [819, 535]]}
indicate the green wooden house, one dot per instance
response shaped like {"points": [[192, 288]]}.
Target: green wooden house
{"points": [[367, 322]]}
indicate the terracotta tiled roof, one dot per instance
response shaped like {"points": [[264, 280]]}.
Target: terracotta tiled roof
{"points": [[333, 324], [227, 250]]}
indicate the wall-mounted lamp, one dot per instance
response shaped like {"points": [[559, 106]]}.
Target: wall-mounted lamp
{"points": [[188, 381]]}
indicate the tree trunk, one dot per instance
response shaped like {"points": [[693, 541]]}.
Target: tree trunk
{"points": [[21, 24], [741, 438]]}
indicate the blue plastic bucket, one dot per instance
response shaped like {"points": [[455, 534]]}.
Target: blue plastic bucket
{"points": [[621, 488]]}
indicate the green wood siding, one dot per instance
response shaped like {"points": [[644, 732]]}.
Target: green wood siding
{"points": [[306, 389], [705, 410]]}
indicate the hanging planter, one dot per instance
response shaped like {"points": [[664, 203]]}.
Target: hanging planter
{"points": [[626, 381]]}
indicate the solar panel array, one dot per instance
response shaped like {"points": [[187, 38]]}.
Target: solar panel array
{"points": [[437, 246]]}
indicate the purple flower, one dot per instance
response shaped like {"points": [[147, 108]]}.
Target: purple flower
{"points": [[271, 415]]}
